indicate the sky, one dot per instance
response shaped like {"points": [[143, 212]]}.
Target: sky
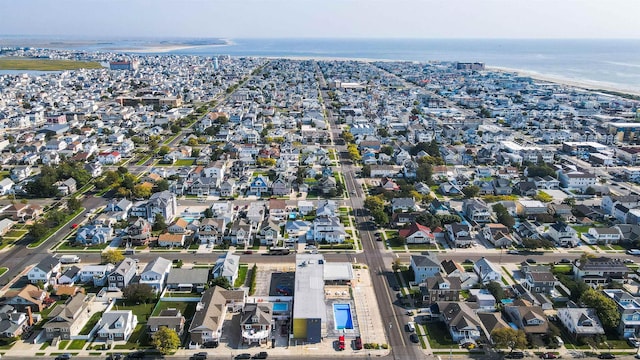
{"points": [[104, 19]]}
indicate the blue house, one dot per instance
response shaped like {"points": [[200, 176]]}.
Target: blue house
{"points": [[94, 234], [258, 186]]}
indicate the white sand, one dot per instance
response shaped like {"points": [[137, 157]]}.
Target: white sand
{"points": [[583, 84]]}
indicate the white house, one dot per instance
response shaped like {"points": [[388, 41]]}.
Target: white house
{"points": [[424, 266], [487, 271], [155, 274], [227, 266], [116, 325], [44, 271]]}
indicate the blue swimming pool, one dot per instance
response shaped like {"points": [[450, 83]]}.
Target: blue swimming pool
{"points": [[342, 316], [280, 306]]}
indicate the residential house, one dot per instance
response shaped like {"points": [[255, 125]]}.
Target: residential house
{"points": [[155, 274], [19, 173], [116, 325], [461, 321], [417, 234], [170, 318], [277, 209], [528, 208], [5, 226], [122, 275], [227, 266], [66, 187], [501, 187], [256, 212], [563, 234], [6, 186], [424, 266], [259, 186], [476, 210], [163, 203], [403, 204], [69, 276], [94, 235], [439, 288], [171, 240], [629, 309], [600, 270], [255, 322], [194, 279], [492, 321], [329, 229], [210, 314], [487, 271], [23, 212], [498, 235], [269, 233], [138, 232], [539, 282], [281, 186], [29, 296], [611, 235], [210, 231], [96, 274], [66, 320], [527, 317], [400, 219], [46, 271], [12, 322], [459, 235], [109, 158], [327, 208], [178, 227], [241, 232], [580, 322]]}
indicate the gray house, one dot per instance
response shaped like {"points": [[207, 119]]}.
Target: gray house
{"points": [[122, 275]]}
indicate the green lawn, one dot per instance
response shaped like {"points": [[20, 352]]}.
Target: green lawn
{"points": [[46, 64], [582, 228], [16, 233], [137, 339], [63, 344], [186, 308], [93, 320], [439, 337], [242, 275], [45, 312], [184, 162], [142, 311], [77, 345], [3, 270], [65, 222]]}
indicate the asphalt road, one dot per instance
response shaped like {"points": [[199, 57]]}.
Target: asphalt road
{"points": [[18, 257]]}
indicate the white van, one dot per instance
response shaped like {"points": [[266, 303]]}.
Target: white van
{"points": [[411, 326]]}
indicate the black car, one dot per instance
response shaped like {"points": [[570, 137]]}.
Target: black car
{"points": [[606, 356], [414, 338], [565, 261], [531, 261], [396, 288], [515, 355], [210, 345], [260, 355], [243, 356], [199, 356], [116, 356], [136, 355]]}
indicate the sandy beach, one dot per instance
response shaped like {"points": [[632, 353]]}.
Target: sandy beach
{"points": [[162, 48], [583, 84]]}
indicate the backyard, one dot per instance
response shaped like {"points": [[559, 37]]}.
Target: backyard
{"points": [[439, 337]]}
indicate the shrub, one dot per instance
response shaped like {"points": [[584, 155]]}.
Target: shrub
{"points": [[384, 346]]}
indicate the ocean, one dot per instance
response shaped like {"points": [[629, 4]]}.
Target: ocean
{"points": [[613, 63], [609, 63]]}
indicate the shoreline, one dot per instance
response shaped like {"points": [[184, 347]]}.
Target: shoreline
{"points": [[162, 48], [594, 86]]}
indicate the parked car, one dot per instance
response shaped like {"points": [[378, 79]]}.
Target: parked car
{"points": [[199, 356], [634, 342], [210, 345], [116, 356], [513, 252], [248, 252], [341, 342], [531, 261], [409, 313], [357, 344], [135, 355], [565, 261], [242, 356], [396, 288], [260, 355], [548, 355], [515, 355], [606, 356], [65, 356], [414, 338]]}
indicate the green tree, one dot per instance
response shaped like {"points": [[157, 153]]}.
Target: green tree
{"points": [[604, 306], [162, 185], [387, 150], [138, 293], [507, 337], [160, 223], [354, 153], [471, 191], [73, 204], [347, 136], [543, 196], [164, 150], [142, 190], [38, 230], [590, 191], [112, 256], [208, 213], [495, 289], [503, 216], [221, 281], [374, 203], [366, 171]]}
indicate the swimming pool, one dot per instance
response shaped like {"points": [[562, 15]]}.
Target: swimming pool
{"points": [[342, 316], [280, 306]]}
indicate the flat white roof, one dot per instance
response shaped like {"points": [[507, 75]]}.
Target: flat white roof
{"points": [[338, 271], [308, 300]]}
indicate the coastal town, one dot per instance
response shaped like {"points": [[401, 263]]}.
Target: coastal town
{"points": [[213, 207]]}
